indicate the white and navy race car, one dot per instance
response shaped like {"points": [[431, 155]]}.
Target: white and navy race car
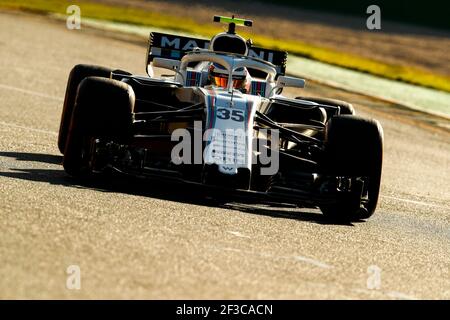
{"points": [[219, 120]]}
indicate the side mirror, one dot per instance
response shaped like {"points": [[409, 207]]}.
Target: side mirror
{"points": [[285, 81], [166, 63]]}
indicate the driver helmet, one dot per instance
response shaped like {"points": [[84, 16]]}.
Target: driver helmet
{"points": [[218, 76]]}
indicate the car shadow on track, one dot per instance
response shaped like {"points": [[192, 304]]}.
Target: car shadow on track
{"points": [[149, 188], [35, 157]]}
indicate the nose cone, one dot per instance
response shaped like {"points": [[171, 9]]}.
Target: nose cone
{"points": [[237, 178]]}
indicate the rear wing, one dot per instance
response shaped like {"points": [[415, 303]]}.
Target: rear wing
{"points": [[169, 46]]}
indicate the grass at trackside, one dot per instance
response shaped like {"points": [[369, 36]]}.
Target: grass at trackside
{"points": [[140, 17]]}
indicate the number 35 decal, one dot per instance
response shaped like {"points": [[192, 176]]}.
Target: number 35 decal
{"points": [[235, 115]]}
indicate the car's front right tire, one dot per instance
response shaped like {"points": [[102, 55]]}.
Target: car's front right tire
{"points": [[102, 110], [78, 73]]}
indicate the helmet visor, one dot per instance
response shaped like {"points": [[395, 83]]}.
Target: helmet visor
{"points": [[222, 81]]}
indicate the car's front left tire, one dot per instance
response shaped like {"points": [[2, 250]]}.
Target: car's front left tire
{"points": [[354, 148]]}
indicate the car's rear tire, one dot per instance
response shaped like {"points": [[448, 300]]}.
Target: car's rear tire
{"points": [[102, 110], [345, 107], [78, 73], [354, 147]]}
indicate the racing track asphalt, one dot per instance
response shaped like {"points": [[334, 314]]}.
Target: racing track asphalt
{"points": [[140, 240]]}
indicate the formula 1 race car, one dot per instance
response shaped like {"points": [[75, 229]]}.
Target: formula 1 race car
{"points": [[219, 120]]}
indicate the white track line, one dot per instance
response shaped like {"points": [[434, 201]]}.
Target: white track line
{"points": [[315, 262], [12, 125], [415, 202], [238, 234], [311, 261], [34, 93]]}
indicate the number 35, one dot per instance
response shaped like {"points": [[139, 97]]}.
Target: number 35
{"points": [[235, 115]]}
